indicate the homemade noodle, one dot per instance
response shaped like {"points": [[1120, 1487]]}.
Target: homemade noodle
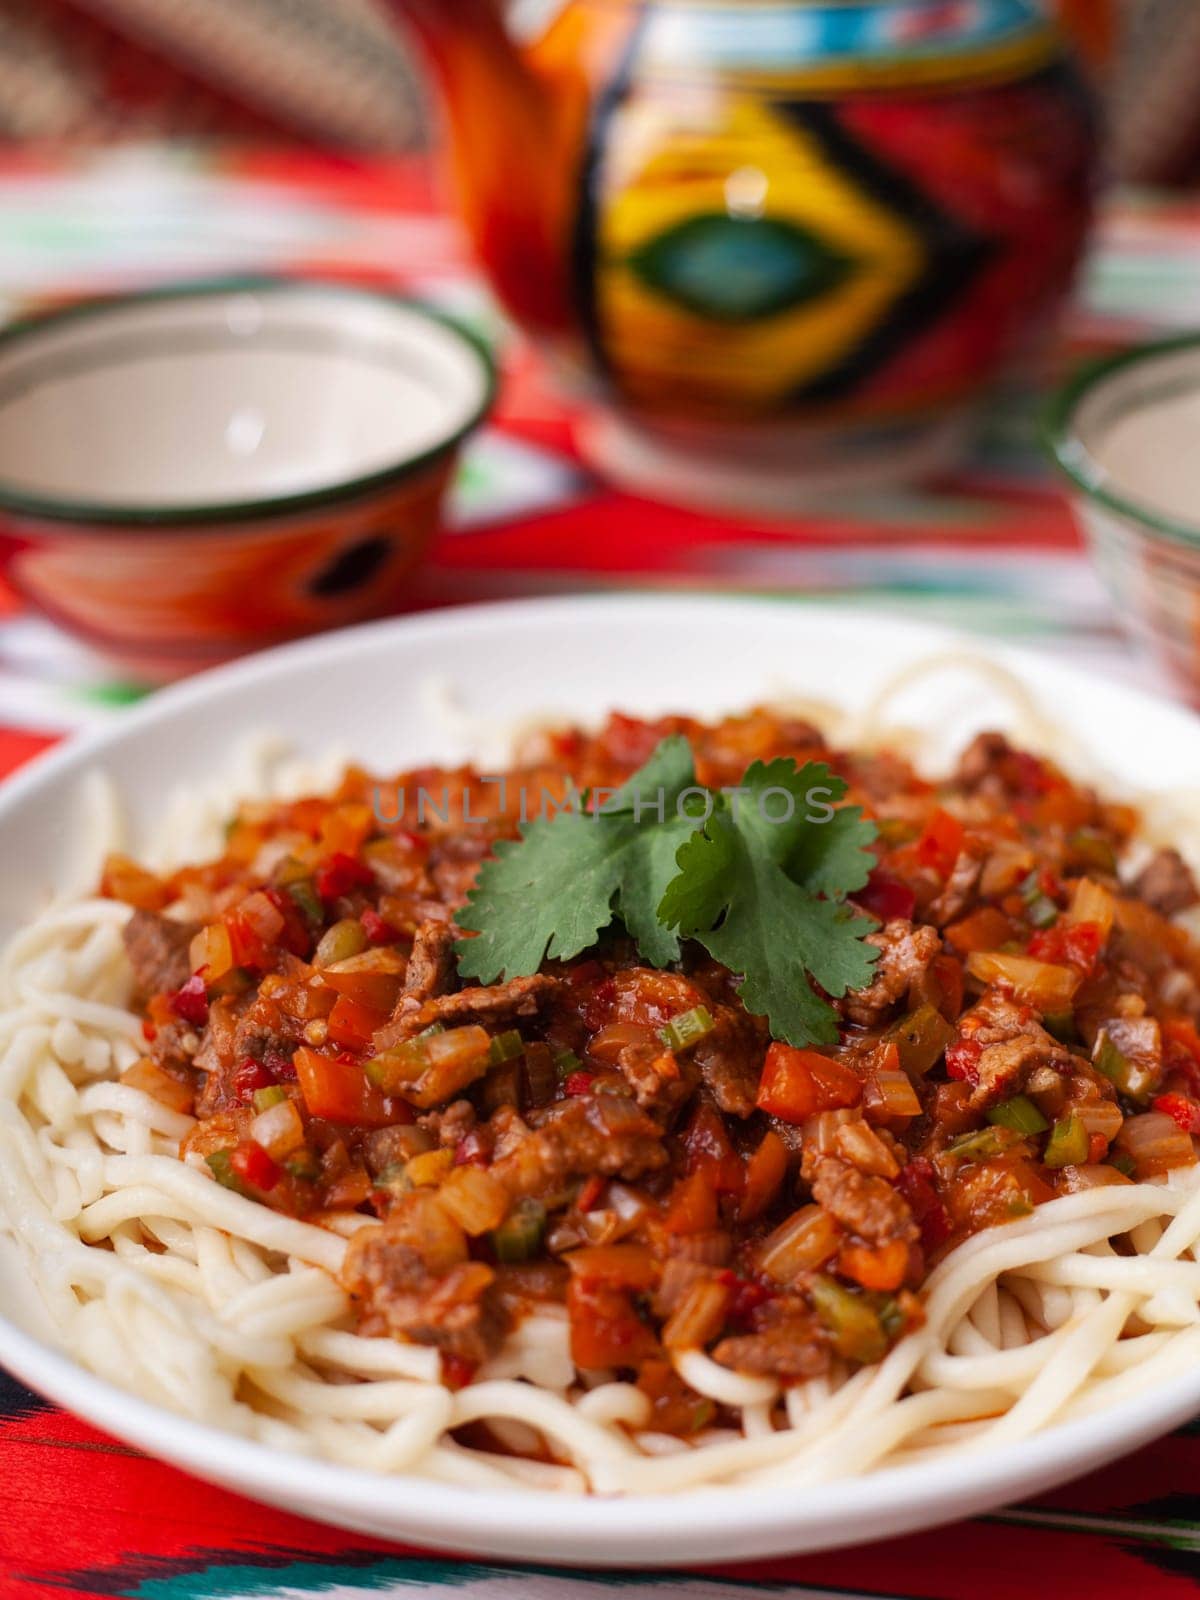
{"points": [[211, 1305]]}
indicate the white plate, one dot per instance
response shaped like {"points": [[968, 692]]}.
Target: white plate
{"points": [[360, 690]]}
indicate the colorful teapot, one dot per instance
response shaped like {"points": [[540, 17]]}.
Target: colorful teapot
{"points": [[786, 242]]}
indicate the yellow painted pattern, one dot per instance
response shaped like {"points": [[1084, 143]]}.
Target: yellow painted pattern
{"points": [[677, 162]]}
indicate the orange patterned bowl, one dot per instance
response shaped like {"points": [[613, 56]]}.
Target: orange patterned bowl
{"points": [[199, 471]]}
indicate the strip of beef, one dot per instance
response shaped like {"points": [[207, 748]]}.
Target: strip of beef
{"points": [[1166, 884], [659, 1081], [730, 1060], [601, 1134], [959, 890], [240, 1030], [458, 1311], [1014, 1045], [431, 966], [498, 1004], [157, 948], [788, 1342], [981, 766], [905, 954], [866, 1206]]}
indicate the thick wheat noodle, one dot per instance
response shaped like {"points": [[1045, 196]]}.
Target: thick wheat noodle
{"points": [[230, 1313]]}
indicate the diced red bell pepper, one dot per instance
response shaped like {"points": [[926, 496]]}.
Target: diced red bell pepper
{"points": [[746, 1296], [377, 930], [797, 1084], [710, 1153], [338, 1090], [457, 1371], [886, 897], [590, 1193], [191, 1002], [915, 1183], [295, 936], [255, 1167], [1181, 1110], [352, 1025], [692, 1207], [472, 1150], [962, 1060], [606, 1331], [1075, 945], [251, 1075], [578, 1083], [939, 846], [340, 874]]}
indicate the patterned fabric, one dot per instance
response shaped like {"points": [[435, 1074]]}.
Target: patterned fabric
{"points": [[992, 549], [336, 71]]}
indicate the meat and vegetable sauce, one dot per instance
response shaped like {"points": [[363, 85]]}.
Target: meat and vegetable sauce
{"points": [[628, 1139]]}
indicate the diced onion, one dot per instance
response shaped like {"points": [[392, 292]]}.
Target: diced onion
{"points": [[1093, 903], [1090, 1177], [279, 1129], [477, 1201], [150, 1078], [805, 1241], [890, 1094], [699, 1316], [1037, 983], [1155, 1144], [1101, 1116]]}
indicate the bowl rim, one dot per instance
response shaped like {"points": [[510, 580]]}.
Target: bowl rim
{"points": [[88, 516], [1077, 462]]}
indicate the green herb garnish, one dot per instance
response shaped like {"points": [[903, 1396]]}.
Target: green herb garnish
{"points": [[758, 875]]}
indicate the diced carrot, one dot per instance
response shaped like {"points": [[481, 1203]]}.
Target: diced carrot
{"points": [[693, 1205], [875, 1267], [765, 1172], [339, 1091], [710, 1152], [797, 1084], [352, 1025], [606, 1331], [939, 845], [987, 929], [628, 1266]]}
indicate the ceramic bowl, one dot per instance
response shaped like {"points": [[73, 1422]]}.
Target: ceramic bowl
{"points": [[1123, 431], [202, 470]]}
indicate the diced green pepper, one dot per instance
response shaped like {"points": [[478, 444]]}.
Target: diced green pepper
{"points": [[1093, 848], [394, 1178], [1019, 1114], [920, 1039], [1041, 912], [273, 1095], [345, 939], [295, 879], [1061, 1024], [1124, 1164], [687, 1029], [1067, 1145], [1135, 1081], [566, 1062], [304, 1164], [506, 1047], [982, 1144], [220, 1164], [519, 1236], [852, 1321]]}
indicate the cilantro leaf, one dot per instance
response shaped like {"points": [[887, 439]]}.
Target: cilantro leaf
{"points": [[750, 887], [554, 892]]}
